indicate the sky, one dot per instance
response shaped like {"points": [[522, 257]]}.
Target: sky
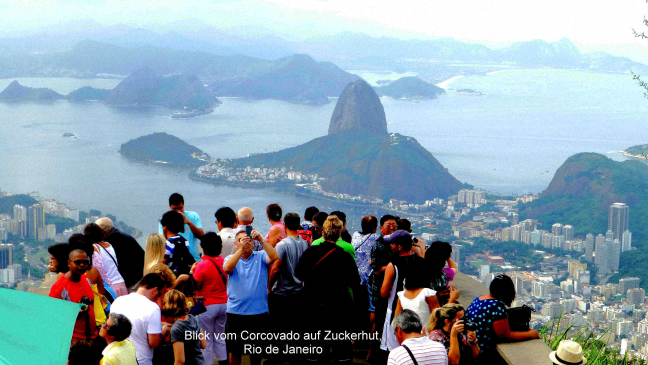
{"points": [[592, 25]]}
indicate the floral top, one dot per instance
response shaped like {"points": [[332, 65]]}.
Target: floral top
{"points": [[98, 263], [362, 244], [443, 338]]}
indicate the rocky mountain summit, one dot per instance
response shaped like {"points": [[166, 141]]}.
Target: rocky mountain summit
{"points": [[358, 107]]}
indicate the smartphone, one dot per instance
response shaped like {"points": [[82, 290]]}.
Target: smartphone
{"points": [[248, 231]]}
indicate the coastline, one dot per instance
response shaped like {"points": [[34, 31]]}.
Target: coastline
{"points": [[299, 192], [626, 154], [445, 83]]}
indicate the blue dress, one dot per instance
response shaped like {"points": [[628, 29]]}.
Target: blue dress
{"points": [[483, 313]]}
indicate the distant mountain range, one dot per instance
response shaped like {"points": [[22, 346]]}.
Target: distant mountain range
{"points": [[183, 93], [360, 157]]}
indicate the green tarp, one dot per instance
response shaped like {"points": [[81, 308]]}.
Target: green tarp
{"points": [[35, 329]]}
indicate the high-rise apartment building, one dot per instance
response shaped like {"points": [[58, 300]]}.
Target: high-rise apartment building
{"points": [[471, 196], [626, 241], [589, 247], [602, 253], [626, 284], [618, 219], [539, 289], [6, 255], [568, 232], [615, 255], [547, 239], [636, 296], [35, 219], [536, 237], [557, 229], [19, 213]]}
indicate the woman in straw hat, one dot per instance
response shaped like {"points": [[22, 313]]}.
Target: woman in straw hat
{"points": [[568, 353]]}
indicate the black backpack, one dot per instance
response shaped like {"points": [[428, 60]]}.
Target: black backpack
{"points": [[182, 259]]}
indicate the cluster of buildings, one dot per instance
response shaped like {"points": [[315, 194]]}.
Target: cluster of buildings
{"points": [[29, 222], [10, 273], [220, 170]]}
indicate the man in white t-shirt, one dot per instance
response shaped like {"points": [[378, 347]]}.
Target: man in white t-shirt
{"points": [[226, 222], [140, 308], [407, 327]]}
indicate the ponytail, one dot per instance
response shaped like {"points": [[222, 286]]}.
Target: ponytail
{"points": [[435, 318]]}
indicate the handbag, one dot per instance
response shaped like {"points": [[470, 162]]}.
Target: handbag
{"points": [[519, 318]]}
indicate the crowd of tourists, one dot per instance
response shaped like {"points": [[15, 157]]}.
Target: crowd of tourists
{"points": [[308, 291]]}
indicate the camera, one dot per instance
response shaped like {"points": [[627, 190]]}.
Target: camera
{"points": [[415, 240], [468, 325], [85, 302]]}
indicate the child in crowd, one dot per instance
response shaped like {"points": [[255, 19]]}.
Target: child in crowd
{"points": [[185, 351]]}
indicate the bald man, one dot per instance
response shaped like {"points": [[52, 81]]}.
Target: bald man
{"points": [[244, 218], [130, 255]]}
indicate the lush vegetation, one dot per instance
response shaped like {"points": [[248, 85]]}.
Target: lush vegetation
{"points": [[61, 223], [372, 165], [410, 88], [7, 203], [161, 147], [641, 149], [145, 87], [594, 349], [581, 193]]}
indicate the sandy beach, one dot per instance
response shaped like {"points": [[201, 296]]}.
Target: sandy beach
{"points": [[445, 83]]}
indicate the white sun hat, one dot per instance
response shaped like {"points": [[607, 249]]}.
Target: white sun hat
{"points": [[568, 353]]}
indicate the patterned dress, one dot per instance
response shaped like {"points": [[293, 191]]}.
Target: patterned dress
{"points": [[483, 313]]}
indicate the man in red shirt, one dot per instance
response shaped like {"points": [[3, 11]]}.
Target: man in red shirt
{"points": [[74, 286]]}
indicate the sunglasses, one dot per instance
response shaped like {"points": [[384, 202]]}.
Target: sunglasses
{"points": [[82, 262]]}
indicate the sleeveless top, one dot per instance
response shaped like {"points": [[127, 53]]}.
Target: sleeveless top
{"points": [[283, 230], [109, 261]]}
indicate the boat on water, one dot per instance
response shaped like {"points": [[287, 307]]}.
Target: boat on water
{"points": [[71, 135], [191, 113]]}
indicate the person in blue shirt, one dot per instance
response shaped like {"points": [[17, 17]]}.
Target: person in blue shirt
{"points": [[247, 294], [193, 225]]}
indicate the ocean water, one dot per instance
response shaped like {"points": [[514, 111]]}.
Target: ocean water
{"points": [[509, 141]]}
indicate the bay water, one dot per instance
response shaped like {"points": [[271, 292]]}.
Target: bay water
{"points": [[509, 141]]}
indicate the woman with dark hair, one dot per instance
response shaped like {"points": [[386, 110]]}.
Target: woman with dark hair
{"points": [[436, 257], [110, 267], [488, 313], [211, 283], [59, 258], [277, 232], [417, 295]]}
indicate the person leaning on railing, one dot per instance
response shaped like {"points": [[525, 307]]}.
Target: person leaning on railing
{"points": [[488, 313]]}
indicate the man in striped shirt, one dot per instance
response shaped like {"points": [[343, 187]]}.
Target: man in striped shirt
{"points": [[415, 348]]}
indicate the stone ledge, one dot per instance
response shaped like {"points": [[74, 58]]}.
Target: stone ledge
{"points": [[531, 352]]}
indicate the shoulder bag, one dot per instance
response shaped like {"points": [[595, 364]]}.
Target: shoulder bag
{"points": [[519, 318]]}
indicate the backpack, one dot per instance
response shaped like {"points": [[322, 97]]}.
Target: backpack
{"points": [[306, 234], [182, 259]]}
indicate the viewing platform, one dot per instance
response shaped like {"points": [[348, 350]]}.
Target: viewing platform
{"points": [[530, 352]]}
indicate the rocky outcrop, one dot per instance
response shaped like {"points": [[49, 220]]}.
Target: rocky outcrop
{"points": [[358, 107]]}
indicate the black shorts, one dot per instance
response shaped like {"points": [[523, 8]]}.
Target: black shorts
{"points": [[242, 330]]}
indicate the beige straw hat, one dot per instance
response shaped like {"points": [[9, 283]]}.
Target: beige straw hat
{"points": [[568, 353]]}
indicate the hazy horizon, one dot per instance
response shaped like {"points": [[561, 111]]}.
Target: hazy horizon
{"points": [[591, 26]]}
